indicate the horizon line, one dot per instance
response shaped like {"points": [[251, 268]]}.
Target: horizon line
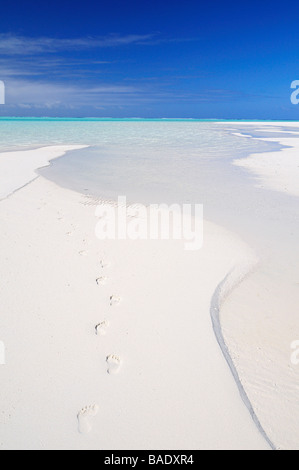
{"points": [[107, 118]]}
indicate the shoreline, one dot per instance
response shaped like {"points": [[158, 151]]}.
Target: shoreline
{"points": [[260, 337], [18, 168], [224, 289], [271, 169]]}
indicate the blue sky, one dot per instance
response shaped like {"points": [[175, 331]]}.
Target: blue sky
{"points": [[188, 59]]}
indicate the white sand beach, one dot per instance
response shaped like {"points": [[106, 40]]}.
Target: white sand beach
{"points": [[273, 170], [261, 335], [117, 344], [173, 388]]}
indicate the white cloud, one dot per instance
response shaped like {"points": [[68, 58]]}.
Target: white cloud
{"points": [[27, 93], [11, 44]]}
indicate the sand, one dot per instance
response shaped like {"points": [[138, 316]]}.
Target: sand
{"points": [[261, 336], [122, 344], [19, 168], [110, 344], [278, 171]]}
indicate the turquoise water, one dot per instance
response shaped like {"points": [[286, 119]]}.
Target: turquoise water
{"points": [[170, 161], [23, 132], [8, 118], [175, 162]]}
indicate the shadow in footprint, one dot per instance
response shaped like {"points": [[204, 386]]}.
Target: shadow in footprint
{"points": [[101, 328], [104, 264], [101, 281], [114, 300], [114, 364]]}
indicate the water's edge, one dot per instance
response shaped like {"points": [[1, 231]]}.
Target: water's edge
{"points": [[231, 281]]}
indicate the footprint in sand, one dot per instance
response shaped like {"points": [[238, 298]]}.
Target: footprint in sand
{"points": [[101, 281], [83, 253], [104, 264], [114, 363], [101, 328], [84, 416], [114, 300]]}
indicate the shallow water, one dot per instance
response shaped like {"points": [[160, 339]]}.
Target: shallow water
{"points": [[178, 162], [169, 162]]}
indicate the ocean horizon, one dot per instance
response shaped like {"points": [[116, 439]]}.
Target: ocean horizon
{"points": [[49, 118]]}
